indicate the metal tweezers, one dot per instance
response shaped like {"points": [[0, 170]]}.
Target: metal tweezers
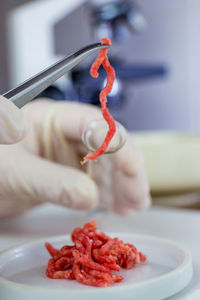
{"points": [[28, 90]]}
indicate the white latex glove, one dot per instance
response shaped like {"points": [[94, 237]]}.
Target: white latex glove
{"points": [[13, 126], [45, 166]]}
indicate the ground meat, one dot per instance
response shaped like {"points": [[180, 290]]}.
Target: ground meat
{"points": [[92, 258]]}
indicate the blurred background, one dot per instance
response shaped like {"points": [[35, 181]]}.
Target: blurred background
{"points": [[155, 53]]}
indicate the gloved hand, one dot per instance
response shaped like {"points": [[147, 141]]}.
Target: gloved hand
{"points": [[45, 166], [13, 126]]}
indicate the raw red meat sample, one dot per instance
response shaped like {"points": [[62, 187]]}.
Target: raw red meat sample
{"points": [[102, 59], [93, 257]]}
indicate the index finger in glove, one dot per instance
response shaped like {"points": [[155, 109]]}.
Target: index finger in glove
{"points": [[71, 116]]}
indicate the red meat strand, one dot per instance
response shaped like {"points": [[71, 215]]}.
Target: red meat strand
{"points": [[102, 59], [92, 258]]}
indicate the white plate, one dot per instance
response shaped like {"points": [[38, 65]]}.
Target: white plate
{"points": [[167, 271]]}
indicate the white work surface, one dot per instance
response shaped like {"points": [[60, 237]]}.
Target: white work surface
{"points": [[178, 225]]}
